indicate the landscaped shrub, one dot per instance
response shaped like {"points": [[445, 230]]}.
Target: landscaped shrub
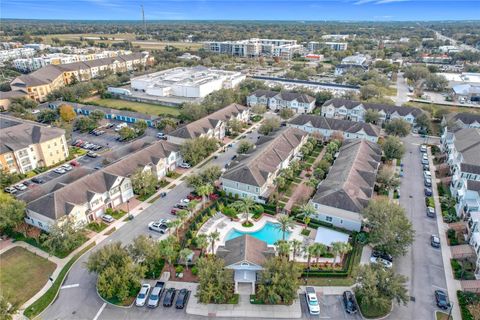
{"points": [[230, 212], [362, 237], [466, 299], [194, 270]]}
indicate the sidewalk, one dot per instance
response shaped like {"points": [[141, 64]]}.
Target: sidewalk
{"points": [[452, 284]]}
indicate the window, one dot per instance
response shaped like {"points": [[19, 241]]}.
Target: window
{"points": [[328, 219]]}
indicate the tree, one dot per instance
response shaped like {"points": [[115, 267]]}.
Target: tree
{"points": [[244, 146], [47, 116], [398, 127], [322, 96], [269, 125], [13, 211], [378, 286], [372, 116], [85, 124], [416, 73], [386, 179], [235, 126], [7, 309], [140, 126], [318, 250], [340, 248], [307, 211], [204, 191], [259, 109], [184, 254], [145, 251], [66, 113], [244, 206], [169, 250], [369, 91], [436, 82], [96, 116], [143, 182], [192, 111], [393, 148], [286, 113], [296, 246], [207, 176], [213, 237], [127, 133], [175, 224], [390, 229], [283, 248], [285, 224], [215, 283], [167, 124], [195, 150], [202, 242], [424, 122], [278, 282], [280, 182], [63, 237]]}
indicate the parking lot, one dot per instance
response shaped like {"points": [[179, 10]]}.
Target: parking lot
{"points": [[331, 307]]}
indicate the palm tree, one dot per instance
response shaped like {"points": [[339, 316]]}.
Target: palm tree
{"points": [[296, 247], [212, 237], [319, 249], [202, 242], [203, 191], [191, 206], [308, 210], [182, 216], [340, 248], [309, 249], [244, 206], [175, 224], [184, 254], [283, 248], [285, 224]]}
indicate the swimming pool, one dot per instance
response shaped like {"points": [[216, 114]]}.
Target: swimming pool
{"points": [[269, 233]]}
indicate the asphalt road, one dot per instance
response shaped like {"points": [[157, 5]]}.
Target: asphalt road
{"points": [[423, 264], [402, 90]]}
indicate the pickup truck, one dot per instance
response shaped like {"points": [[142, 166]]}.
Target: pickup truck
{"points": [[155, 295]]}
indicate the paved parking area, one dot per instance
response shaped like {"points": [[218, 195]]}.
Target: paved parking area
{"points": [[331, 307]]}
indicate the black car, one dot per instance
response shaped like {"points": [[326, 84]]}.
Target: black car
{"points": [[169, 297], [181, 299], [383, 255], [428, 192], [349, 302], [163, 194], [37, 180], [27, 183], [442, 299]]}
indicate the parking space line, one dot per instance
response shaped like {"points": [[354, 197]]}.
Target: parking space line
{"points": [[100, 311]]}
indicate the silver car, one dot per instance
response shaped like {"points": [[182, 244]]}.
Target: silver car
{"points": [[142, 295]]}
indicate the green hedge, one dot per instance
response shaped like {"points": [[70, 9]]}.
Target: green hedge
{"points": [[465, 299]]}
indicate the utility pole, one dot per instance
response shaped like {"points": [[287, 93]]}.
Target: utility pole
{"points": [[144, 23]]}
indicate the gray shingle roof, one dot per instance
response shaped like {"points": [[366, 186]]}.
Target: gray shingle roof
{"points": [[387, 108], [350, 181], [254, 168], [284, 95], [467, 142], [245, 248], [264, 93], [320, 122], [465, 117], [42, 76]]}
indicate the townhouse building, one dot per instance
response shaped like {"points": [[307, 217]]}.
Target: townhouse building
{"points": [[210, 126], [25, 146], [329, 127], [356, 110], [253, 174], [461, 120], [38, 84], [348, 187], [298, 102]]}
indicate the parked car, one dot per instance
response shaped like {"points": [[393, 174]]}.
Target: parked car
{"points": [[435, 241], [163, 194], [441, 299], [193, 196], [155, 295], [67, 167], [383, 255], [379, 260], [74, 163], [92, 154], [428, 182], [181, 299], [423, 148], [10, 190], [430, 212], [169, 297], [428, 192], [312, 300], [424, 161], [185, 200], [349, 302], [142, 295], [181, 206], [37, 180], [184, 165], [59, 170], [427, 174], [27, 183], [426, 167], [20, 187], [174, 211], [108, 218], [158, 226]]}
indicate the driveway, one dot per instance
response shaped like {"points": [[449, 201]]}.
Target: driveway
{"points": [[423, 264], [402, 90]]}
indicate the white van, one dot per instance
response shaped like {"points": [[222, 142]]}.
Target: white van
{"points": [[118, 127]]}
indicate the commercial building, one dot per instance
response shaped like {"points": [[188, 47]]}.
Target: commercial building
{"points": [[255, 47], [25, 146], [210, 126], [466, 92], [40, 83], [252, 175], [194, 82], [348, 187], [329, 127], [358, 61], [355, 111], [298, 102]]}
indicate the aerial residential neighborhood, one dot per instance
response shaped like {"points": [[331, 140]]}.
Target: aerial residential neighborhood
{"points": [[240, 160]]}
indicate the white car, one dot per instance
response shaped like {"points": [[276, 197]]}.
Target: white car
{"points": [[159, 226], [312, 300], [20, 187], [184, 165], [59, 170], [142, 295], [185, 201], [427, 174], [382, 261], [67, 167], [107, 218], [423, 148], [11, 190]]}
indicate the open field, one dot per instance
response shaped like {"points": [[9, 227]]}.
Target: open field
{"points": [[152, 109], [22, 274]]}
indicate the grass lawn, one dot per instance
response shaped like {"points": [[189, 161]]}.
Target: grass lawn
{"points": [[330, 281], [22, 274], [97, 226], [375, 311], [441, 315], [148, 108]]}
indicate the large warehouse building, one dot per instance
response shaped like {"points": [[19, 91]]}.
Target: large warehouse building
{"points": [[195, 82]]}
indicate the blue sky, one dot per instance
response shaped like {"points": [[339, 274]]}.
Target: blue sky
{"points": [[317, 10]]}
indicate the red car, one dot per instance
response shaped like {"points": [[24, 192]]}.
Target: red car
{"points": [[74, 163], [192, 196], [174, 211]]}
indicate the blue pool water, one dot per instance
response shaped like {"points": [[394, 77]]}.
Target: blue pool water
{"points": [[269, 233]]}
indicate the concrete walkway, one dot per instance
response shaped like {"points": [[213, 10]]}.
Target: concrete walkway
{"points": [[452, 284]]}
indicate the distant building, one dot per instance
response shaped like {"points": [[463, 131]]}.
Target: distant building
{"points": [[194, 82], [359, 62], [448, 49], [298, 102], [10, 54], [436, 58], [188, 56], [313, 57], [336, 46], [466, 92], [336, 37]]}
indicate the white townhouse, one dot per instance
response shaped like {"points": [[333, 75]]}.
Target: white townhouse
{"points": [[356, 110], [252, 175], [212, 125], [327, 127], [348, 187], [461, 120], [298, 102]]}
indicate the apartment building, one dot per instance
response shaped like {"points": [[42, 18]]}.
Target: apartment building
{"points": [[473, 225], [348, 187], [461, 120], [25, 146], [463, 149], [355, 111], [329, 127], [298, 102], [255, 47], [10, 54], [40, 83], [211, 126], [252, 175], [336, 46]]}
